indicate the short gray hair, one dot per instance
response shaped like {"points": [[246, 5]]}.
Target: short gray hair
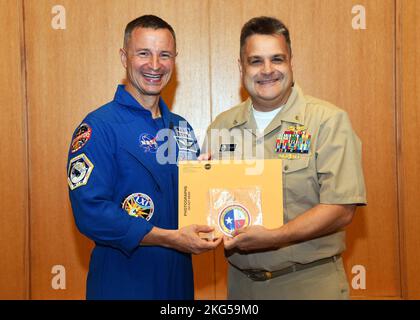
{"points": [[264, 25], [147, 21]]}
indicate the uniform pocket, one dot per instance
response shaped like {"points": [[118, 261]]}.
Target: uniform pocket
{"points": [[298, 190], [290, 166]]}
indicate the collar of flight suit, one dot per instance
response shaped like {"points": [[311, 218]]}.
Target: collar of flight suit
{"points": [[293, 111], [123, 97]]}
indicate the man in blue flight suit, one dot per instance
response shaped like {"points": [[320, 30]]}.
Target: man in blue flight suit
{"points": [[123, 179]]}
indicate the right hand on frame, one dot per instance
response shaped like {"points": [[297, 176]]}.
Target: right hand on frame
{"points": [[187, 239]]}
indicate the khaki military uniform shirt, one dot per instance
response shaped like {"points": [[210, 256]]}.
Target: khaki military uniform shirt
{"points": [[326, 170]]}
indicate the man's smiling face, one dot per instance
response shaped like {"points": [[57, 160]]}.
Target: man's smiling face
{"points": [[149, 60], [266, 70]]}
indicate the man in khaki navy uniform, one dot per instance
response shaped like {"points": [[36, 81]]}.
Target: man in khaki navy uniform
{"points": [[322, 176]]}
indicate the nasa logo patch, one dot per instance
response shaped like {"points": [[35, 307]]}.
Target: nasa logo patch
{"points": [[80, 168], [139, 205], [233, 217], [148, 142]]}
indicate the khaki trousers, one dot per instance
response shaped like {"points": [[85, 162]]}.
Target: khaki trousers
{"points": [[324, 282]]}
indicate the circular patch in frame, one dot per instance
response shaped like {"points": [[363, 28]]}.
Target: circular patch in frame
{"points": [[81, 137], [232, 218], [139, 205]]}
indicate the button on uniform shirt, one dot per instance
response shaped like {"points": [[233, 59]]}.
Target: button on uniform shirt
{"points": [[321, 159]]}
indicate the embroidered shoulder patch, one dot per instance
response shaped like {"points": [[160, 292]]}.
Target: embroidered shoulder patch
{"points": [[80, 168], [139, 205], [81, 137]]}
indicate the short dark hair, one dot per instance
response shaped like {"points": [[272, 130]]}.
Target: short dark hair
{"points": [[147, 21], [264, 25]]}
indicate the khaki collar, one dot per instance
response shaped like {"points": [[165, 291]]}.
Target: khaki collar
{"points": [[293, 111], [243, 115]]}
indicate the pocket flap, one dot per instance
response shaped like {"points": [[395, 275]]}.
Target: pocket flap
{"points": [[295, 164]]}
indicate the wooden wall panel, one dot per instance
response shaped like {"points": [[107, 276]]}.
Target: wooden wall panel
{"points": [[74, 71], [13, 163], [408, 91], [353, 69]]}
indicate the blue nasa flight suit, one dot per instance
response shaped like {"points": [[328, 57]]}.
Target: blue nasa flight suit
{"points": [[118, 160]]}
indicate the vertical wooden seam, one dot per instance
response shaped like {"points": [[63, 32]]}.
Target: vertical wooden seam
{"points": [[210, 59], [25, 126], [399, 150]]}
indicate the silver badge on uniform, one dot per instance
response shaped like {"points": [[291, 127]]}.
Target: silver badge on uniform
{"points": [[227, 147], [148, 142]]}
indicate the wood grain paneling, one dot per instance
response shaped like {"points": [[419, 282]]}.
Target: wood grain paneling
{"points": [[13, 164], [408, 90], [353, 69], [74, 71]]}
